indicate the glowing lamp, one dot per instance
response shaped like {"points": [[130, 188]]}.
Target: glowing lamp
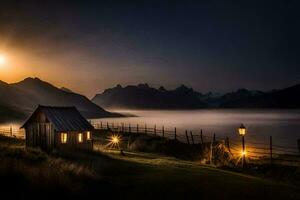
{"points": [[242, 130], [243, 153], [115, 140]]}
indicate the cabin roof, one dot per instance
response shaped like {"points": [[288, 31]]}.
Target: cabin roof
{"points": [[63, 118]]}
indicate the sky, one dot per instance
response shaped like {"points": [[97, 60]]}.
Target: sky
{"points": [[88, 46]]}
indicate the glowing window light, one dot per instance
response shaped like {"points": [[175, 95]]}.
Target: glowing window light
{"points": [[80, 138], [63, 138], [88, 135]]}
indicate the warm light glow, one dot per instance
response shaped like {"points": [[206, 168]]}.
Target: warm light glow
{"points": [[114, 141], [242, 130], [88, 135], [64, 138], [243, 153], [2, 59], [80, 140]]}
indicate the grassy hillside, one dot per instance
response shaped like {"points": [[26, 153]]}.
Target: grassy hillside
{"points": [[32, 173]]}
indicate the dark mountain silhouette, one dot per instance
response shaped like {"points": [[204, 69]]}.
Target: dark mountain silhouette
{"points": [[66, 89], [144, 97], [23, 97], [241, 98], [284, 98]]}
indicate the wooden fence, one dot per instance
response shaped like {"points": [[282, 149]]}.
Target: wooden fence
{"points": [[255, 151], [11, 131], [262, 150]]}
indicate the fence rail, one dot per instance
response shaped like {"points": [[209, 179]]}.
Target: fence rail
{"points": [[255, 150]]}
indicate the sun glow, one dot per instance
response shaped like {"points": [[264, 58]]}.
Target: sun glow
{"points": [[2, 59]]}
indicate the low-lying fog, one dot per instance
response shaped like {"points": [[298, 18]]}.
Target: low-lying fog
{"points": [[283, 125]]}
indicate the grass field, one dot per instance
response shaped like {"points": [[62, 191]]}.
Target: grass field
{"points": [[107, 174]]}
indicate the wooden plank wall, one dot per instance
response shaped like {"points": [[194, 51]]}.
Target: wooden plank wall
{"points": [[40, 135]]}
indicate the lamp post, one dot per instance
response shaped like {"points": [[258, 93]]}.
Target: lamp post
{"points": [[242, 132]]}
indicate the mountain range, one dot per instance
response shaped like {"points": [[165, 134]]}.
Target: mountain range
{"points": [[18, 100], [143, 96]]}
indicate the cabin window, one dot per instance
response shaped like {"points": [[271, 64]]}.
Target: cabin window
{"points": [[63, 138], [88, 135], [80, 138]]}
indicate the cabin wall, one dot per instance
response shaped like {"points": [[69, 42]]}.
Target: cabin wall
{"points": [[40, 135], [72, 141]]}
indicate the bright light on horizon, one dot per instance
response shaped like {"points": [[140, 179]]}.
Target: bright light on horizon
{"points": [[2, 59]]}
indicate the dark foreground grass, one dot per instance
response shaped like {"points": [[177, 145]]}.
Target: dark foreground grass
{"points": [[30, 173]]}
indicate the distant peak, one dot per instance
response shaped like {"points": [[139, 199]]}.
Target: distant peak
{"points": [[3, 83], [119, 86], [243, 90], [144, 85], [32, 79], [34, 82], [162, 88], [183, 88]]}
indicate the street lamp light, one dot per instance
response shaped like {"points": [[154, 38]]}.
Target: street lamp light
{"points": [[242, 132], [115, 141]]}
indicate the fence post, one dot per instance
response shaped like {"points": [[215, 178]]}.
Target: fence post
{"points": [[211, 152], [123, 128], [137, 128], [129, 140], [271, 156], [145, 128], [201, 136], [113, 125], [214, 138], [107, 125], [163, 131], [175, 135], [227, 144], [243, 152], [298, 141], [129, 127], [187, 137], [11, 132], [155, 130], [101, 125], [192, 137]]}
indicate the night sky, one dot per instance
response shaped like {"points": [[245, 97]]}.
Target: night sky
{"points": [[209, 45]]}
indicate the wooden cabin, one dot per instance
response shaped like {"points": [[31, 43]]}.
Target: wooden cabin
{"points": [[58, 128]]}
